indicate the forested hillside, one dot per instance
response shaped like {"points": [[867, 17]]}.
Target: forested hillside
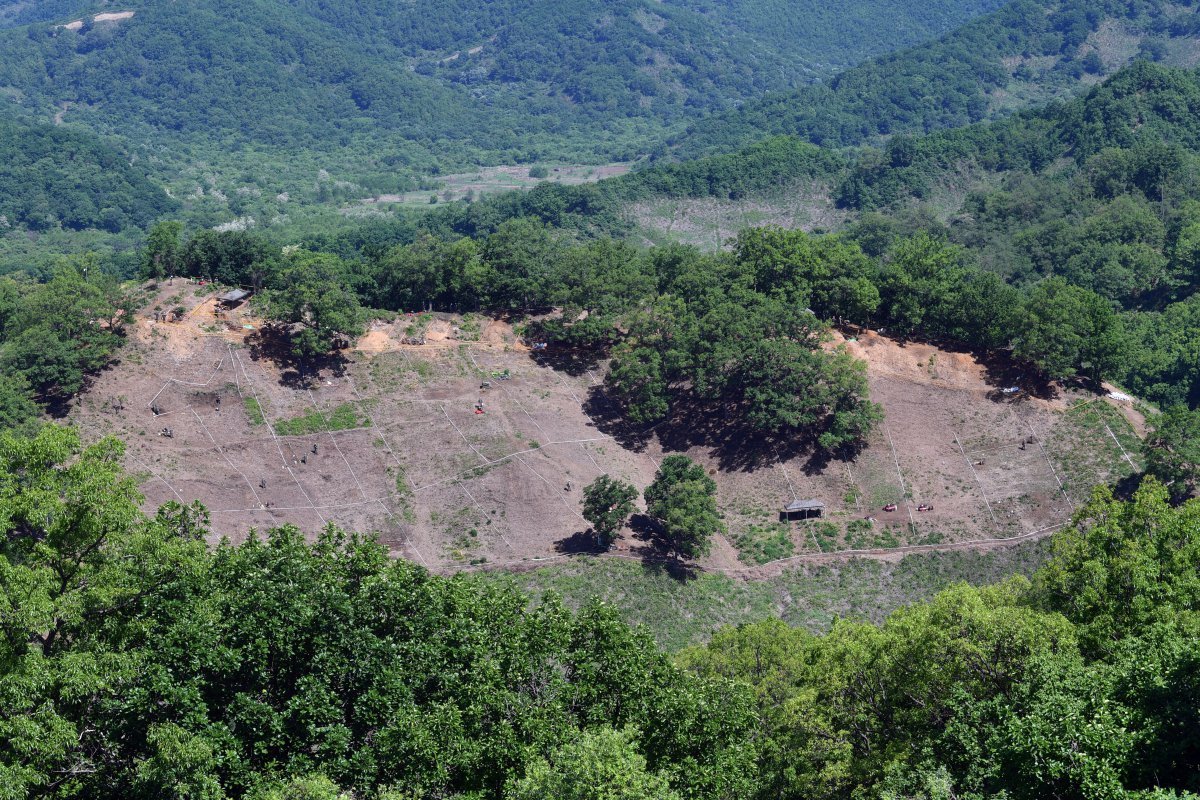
{"points": [[53, 177], [466, 82], [1050, 250], [1097, 192], [1027, 53]]}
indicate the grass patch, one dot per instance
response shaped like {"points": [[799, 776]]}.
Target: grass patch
{"points": [[461, 531], [862, 535], [344, 417], [679, 613], [253, 411], [1089, 447], [826, 535], [469, 328], [404, 495], [423, 368], [759, 544]]}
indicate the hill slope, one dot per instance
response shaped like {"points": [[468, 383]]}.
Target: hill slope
{"points": [[496, 80], [1027, 53]]}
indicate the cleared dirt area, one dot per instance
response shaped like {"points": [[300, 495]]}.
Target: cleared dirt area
{"points": [[709, 223], [390, 442], [108, 16]]}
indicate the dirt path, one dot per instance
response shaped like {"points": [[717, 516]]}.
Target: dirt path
{"points": [[775, 568]]}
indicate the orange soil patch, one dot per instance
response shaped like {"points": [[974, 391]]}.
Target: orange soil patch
{"points": [[923, 363]]}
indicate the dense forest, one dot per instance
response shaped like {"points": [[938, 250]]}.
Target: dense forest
{"points": [[435, 80], [1026, 53], [1095, 194], [54, 177]]}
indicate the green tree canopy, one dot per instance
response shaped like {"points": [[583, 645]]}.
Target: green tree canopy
{"points": [[683, 500], [1172, 449], [311, 296], [163, 253], [607, 503], [1067, 330], [603, 764]]}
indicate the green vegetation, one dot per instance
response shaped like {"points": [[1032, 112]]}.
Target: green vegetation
{"points": [[601, 765], [1077, 684], [760, 544], [134, 662], [1058, 218], [52, 177], [1026, 53], [682, 500], [343, 418], [682, 613], [391, 93], [310, 295], [607, 504], [1172, 450], [196, 669], [54, 336], [206, 672], [254, 411]]}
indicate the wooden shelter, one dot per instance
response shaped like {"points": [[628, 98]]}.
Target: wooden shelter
{"points": [[233, 297], [802, 509]]}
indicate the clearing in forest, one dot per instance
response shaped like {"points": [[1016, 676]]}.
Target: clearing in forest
{"points": [[389, 442]]}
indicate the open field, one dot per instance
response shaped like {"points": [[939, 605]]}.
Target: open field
{"points": [[709, 222], [390, 442], [492, 180]]}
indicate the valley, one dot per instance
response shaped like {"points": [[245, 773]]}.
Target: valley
{"points": [[611, 400]]}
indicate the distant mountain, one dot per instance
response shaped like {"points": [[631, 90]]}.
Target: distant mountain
{"points": [[504, 79], [1025, 54]]}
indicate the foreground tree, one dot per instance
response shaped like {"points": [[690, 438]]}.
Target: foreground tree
{"points": [[136, 663], [607, 503], [603, 764], [683, 500], [18, 411]]}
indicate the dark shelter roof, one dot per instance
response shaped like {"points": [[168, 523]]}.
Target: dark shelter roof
{"points": [[804, 505], [235, 295]]}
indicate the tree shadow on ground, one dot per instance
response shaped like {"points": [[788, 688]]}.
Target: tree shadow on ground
{"points": [[574, 362], [655, 553], [579, 543], [274, 343], [712, 425], [1000, 369], [1125, 488]]}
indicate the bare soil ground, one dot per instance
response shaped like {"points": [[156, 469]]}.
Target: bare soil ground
{"points": [[454, 489]]}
